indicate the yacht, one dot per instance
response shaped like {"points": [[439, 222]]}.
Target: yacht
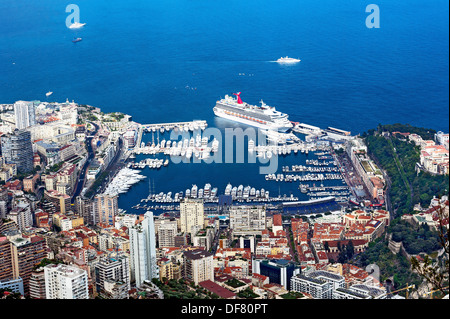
{"points": [[76, 25], [228, 189], [194, 191], [48, 93], [246, 192], [234, 192], [287, 59], [207, 191], [240, 190]]}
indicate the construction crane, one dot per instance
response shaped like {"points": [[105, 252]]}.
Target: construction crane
{"points": [[406, 288], [433, 291]]}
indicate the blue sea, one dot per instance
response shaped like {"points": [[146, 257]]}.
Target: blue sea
{"points": [[168, 61]]}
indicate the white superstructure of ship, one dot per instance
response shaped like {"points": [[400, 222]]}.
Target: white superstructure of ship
{"points": [[264, 116]]}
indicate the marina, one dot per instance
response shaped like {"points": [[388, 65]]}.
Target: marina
{"points": [[198, 147], [309, 165], [176, 126], [150, 163], [122, 181], [210, 196], [302, 157]]}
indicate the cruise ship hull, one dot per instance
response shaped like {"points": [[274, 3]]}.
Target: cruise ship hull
{"points": [[271, 126]]}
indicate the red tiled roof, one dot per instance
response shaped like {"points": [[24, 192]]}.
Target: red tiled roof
{"points": [[218, 290]]}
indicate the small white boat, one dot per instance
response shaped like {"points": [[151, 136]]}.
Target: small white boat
{"points": [[76, 25], [48, 93]]}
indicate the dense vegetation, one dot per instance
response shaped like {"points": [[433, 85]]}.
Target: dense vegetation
{"points": [[179, 289], [398, 158], [415, 239], [392, 266], [292, 295], [247, 294], [425, 133], [234, 283]]}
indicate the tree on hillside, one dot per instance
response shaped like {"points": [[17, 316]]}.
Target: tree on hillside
{"points": [[436, 272]]}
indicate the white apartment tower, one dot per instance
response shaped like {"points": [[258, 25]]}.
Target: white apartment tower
{"points": [[143, 250], [198, 266], [247, 220], [25, 114], [191, 216], [113, 267], [167, 231], [65, 282]]}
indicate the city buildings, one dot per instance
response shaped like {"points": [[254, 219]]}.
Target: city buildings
{"points": [[37, 284], [111, 273], [166, 232], [143, 250], [169, 269], [191, 215], [25, 254], [370, 173], [434, 158], [198, 266], [65, 282], [17, 149], [247, 220], [24, 114], [279, 271], [105, 209]]}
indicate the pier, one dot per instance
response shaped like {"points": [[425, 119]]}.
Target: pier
{"points": [[182, 126], [161, 128]]}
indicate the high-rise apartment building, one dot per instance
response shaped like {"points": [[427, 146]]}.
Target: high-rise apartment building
{"points": [[247, 220], [5, 259], [105, 209], [21, 215], [143, 250], [25, 254], [167, 231], [24, 114], [84, 208], [191, 215], [17, 149], [112, 267], [65, 282], [198, 265], [37, 284]]}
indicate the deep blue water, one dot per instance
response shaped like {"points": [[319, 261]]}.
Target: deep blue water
{"points": [[138, 57]]}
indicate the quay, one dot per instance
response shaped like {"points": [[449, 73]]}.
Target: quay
{"points": [[163, 127], [182, 126]]}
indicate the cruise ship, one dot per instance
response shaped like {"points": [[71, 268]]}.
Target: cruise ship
{"points": [[264, 116]]}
